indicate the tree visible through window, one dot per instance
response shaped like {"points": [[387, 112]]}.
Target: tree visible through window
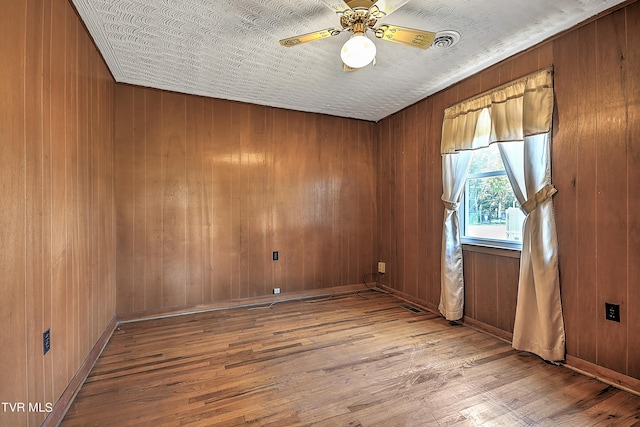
{"points": [[491, 210]]}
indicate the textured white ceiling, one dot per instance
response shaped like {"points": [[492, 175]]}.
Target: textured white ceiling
{"points": [[229, 48]]}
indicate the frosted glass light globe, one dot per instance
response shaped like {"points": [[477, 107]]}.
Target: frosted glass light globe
{"points": [[358, 51]]}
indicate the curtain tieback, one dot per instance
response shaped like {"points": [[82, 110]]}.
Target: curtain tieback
{"points": [[532, 204], [452, 206]]}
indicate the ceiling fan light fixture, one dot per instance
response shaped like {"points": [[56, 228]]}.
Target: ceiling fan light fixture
{"points": [[358, 51]]}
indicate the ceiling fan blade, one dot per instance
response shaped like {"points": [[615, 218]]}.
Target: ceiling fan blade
{"points": [[406, 36], [337, 6], [360, 4], [341, 7], [383, 8], [304, 38]]}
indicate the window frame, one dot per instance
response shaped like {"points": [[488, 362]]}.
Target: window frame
{"points": [[487, 242]]}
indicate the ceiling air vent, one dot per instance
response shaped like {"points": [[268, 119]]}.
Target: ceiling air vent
{"points": [[446, 39]]}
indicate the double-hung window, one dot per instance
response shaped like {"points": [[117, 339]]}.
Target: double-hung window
{"points": [[491, 215]]}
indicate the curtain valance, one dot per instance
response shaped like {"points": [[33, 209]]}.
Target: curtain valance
{"points": [[520, 108]]}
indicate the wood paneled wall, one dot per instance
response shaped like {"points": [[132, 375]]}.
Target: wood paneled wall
{"points": [[207, 189], [57, 228], [597, 162], [596, 169]]}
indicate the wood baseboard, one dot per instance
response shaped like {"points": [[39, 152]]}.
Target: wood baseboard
{"points": [[492, 330], [242, 302], [616, 379], [64, 403], [413, 300]]}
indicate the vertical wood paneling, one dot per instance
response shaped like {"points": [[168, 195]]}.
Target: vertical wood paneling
{"points": [[52, 131], [434, 204], [290, 189], [125, 188], [207, 202], [367, 229], [545, 55], [136, 183], [12, 209], [240, 240], [586, 175], [507, 290], [70, 188], [391, 242], [34, 193], [256, 225], [386, 206], [173, 171], [400, 199], [46, 381], [222, 149], [319, 209], [565, 152], [326, 137], [226, 188], [632, 92], [524, 63], [611, 186], [59, 255], [93, 199], [485, 269], [274, 272], [105, 179], [84, 196], [357, 228], [411, 212], [237, 236], [423, 218], [340, 213], [468, 266], [490, 78], [504, 71], [153, 186], [195, 186], [308, 195]]}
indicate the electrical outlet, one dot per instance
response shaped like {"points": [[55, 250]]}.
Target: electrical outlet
{"points": [[612, 311], [46, 341], [274, 256], [381, 267], [276, 290]]}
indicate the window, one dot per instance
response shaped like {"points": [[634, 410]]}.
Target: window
{"points": [[491, 214]]}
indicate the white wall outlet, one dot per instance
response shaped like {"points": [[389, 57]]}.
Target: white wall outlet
{"points": [[381, 267], [276, 290]]}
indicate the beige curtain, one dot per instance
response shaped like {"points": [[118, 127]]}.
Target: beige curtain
{"points": [[519, 113], [454, 173]]}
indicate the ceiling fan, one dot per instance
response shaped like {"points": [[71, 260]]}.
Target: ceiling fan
{"points": [[358, 17]]}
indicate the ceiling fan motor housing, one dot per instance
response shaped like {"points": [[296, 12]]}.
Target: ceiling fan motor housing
{"points": [[358, 21]]}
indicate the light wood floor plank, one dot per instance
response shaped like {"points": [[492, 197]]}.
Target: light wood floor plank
{"points": [[354, 360]]}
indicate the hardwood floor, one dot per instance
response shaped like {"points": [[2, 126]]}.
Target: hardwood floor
{"points": [[354, 360]]}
